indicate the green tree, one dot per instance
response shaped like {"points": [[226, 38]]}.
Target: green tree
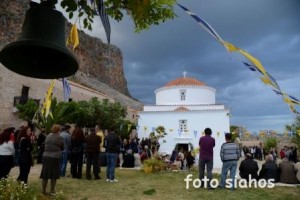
{"points": [[144, 13], [270, 142], [125, 128], [88, 112], [110, 114], [27, 110], [295, 128], [83, 113], [156, 135], [234, 131], [60, 113]]}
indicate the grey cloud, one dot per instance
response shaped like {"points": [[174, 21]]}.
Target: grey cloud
{"points": [[267, 29]]}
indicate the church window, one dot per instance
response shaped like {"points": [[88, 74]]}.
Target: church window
{"points": [[183, 125], [24, 95], [182, 95]]}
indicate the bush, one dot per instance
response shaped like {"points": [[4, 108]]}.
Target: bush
{"points": [[296, 140], [270, 142], [12, 189], [153, 165]]}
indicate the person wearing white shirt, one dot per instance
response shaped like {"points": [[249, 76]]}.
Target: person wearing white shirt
{"points": [[7, 151]]}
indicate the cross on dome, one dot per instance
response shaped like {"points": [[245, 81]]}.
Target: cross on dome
{"points": [[184, 74]]}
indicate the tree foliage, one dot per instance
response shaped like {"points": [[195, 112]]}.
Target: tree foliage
{"points": [[270, 142], [126, 128], [295, 128], [27, 110], [61, 113], [144, 13], [158, 133], [110, 115], [83, 113], [235, 133]]}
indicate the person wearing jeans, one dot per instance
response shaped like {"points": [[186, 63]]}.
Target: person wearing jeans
{"points": [[112, 146], [206, 143], [230, 154], [65, 152], [228, 166], [111, 163]]}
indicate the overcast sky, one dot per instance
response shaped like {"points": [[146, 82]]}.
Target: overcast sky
{"points": [[267, 29]]}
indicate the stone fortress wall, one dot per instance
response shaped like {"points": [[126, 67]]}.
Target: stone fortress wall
{"points": [[100, 72]]}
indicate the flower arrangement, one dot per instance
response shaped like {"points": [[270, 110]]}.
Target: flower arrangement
{"points": [[153, 165]]}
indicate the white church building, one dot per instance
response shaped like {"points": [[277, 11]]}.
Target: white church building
{"points": [[185, 107]]}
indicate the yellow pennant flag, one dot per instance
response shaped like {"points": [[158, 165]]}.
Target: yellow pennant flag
{"points": [[286, 99], [129, 127], [73, 38], [254, 61], [266, 80], [47, 102], [230, 47]]}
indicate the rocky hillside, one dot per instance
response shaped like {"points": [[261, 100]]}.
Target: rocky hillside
{"points": [[97, 60]]}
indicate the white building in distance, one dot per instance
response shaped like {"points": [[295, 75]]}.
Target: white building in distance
{"points": [[185, 107]]}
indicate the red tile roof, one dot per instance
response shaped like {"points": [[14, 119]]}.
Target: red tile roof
{"points": [[184, 81]]}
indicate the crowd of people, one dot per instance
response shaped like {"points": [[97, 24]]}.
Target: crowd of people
{"points": [[289, 152], [55, 150], [257, 152], [285, 171], [62, 146]]}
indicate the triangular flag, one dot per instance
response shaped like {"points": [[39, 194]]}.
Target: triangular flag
{"points": [[73, 39]]}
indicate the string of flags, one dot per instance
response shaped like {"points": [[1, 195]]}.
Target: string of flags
{"points": [[180, 132], [251, 62]]}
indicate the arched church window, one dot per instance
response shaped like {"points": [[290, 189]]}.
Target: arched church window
{"points": [[183, 125]]}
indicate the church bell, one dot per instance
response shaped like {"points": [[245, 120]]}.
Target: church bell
{"points": [[40, 52]]}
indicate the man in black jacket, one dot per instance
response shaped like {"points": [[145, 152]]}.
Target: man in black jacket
{"points": [[269, 169], [112, 146], [248, 167], [92, 154]]}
